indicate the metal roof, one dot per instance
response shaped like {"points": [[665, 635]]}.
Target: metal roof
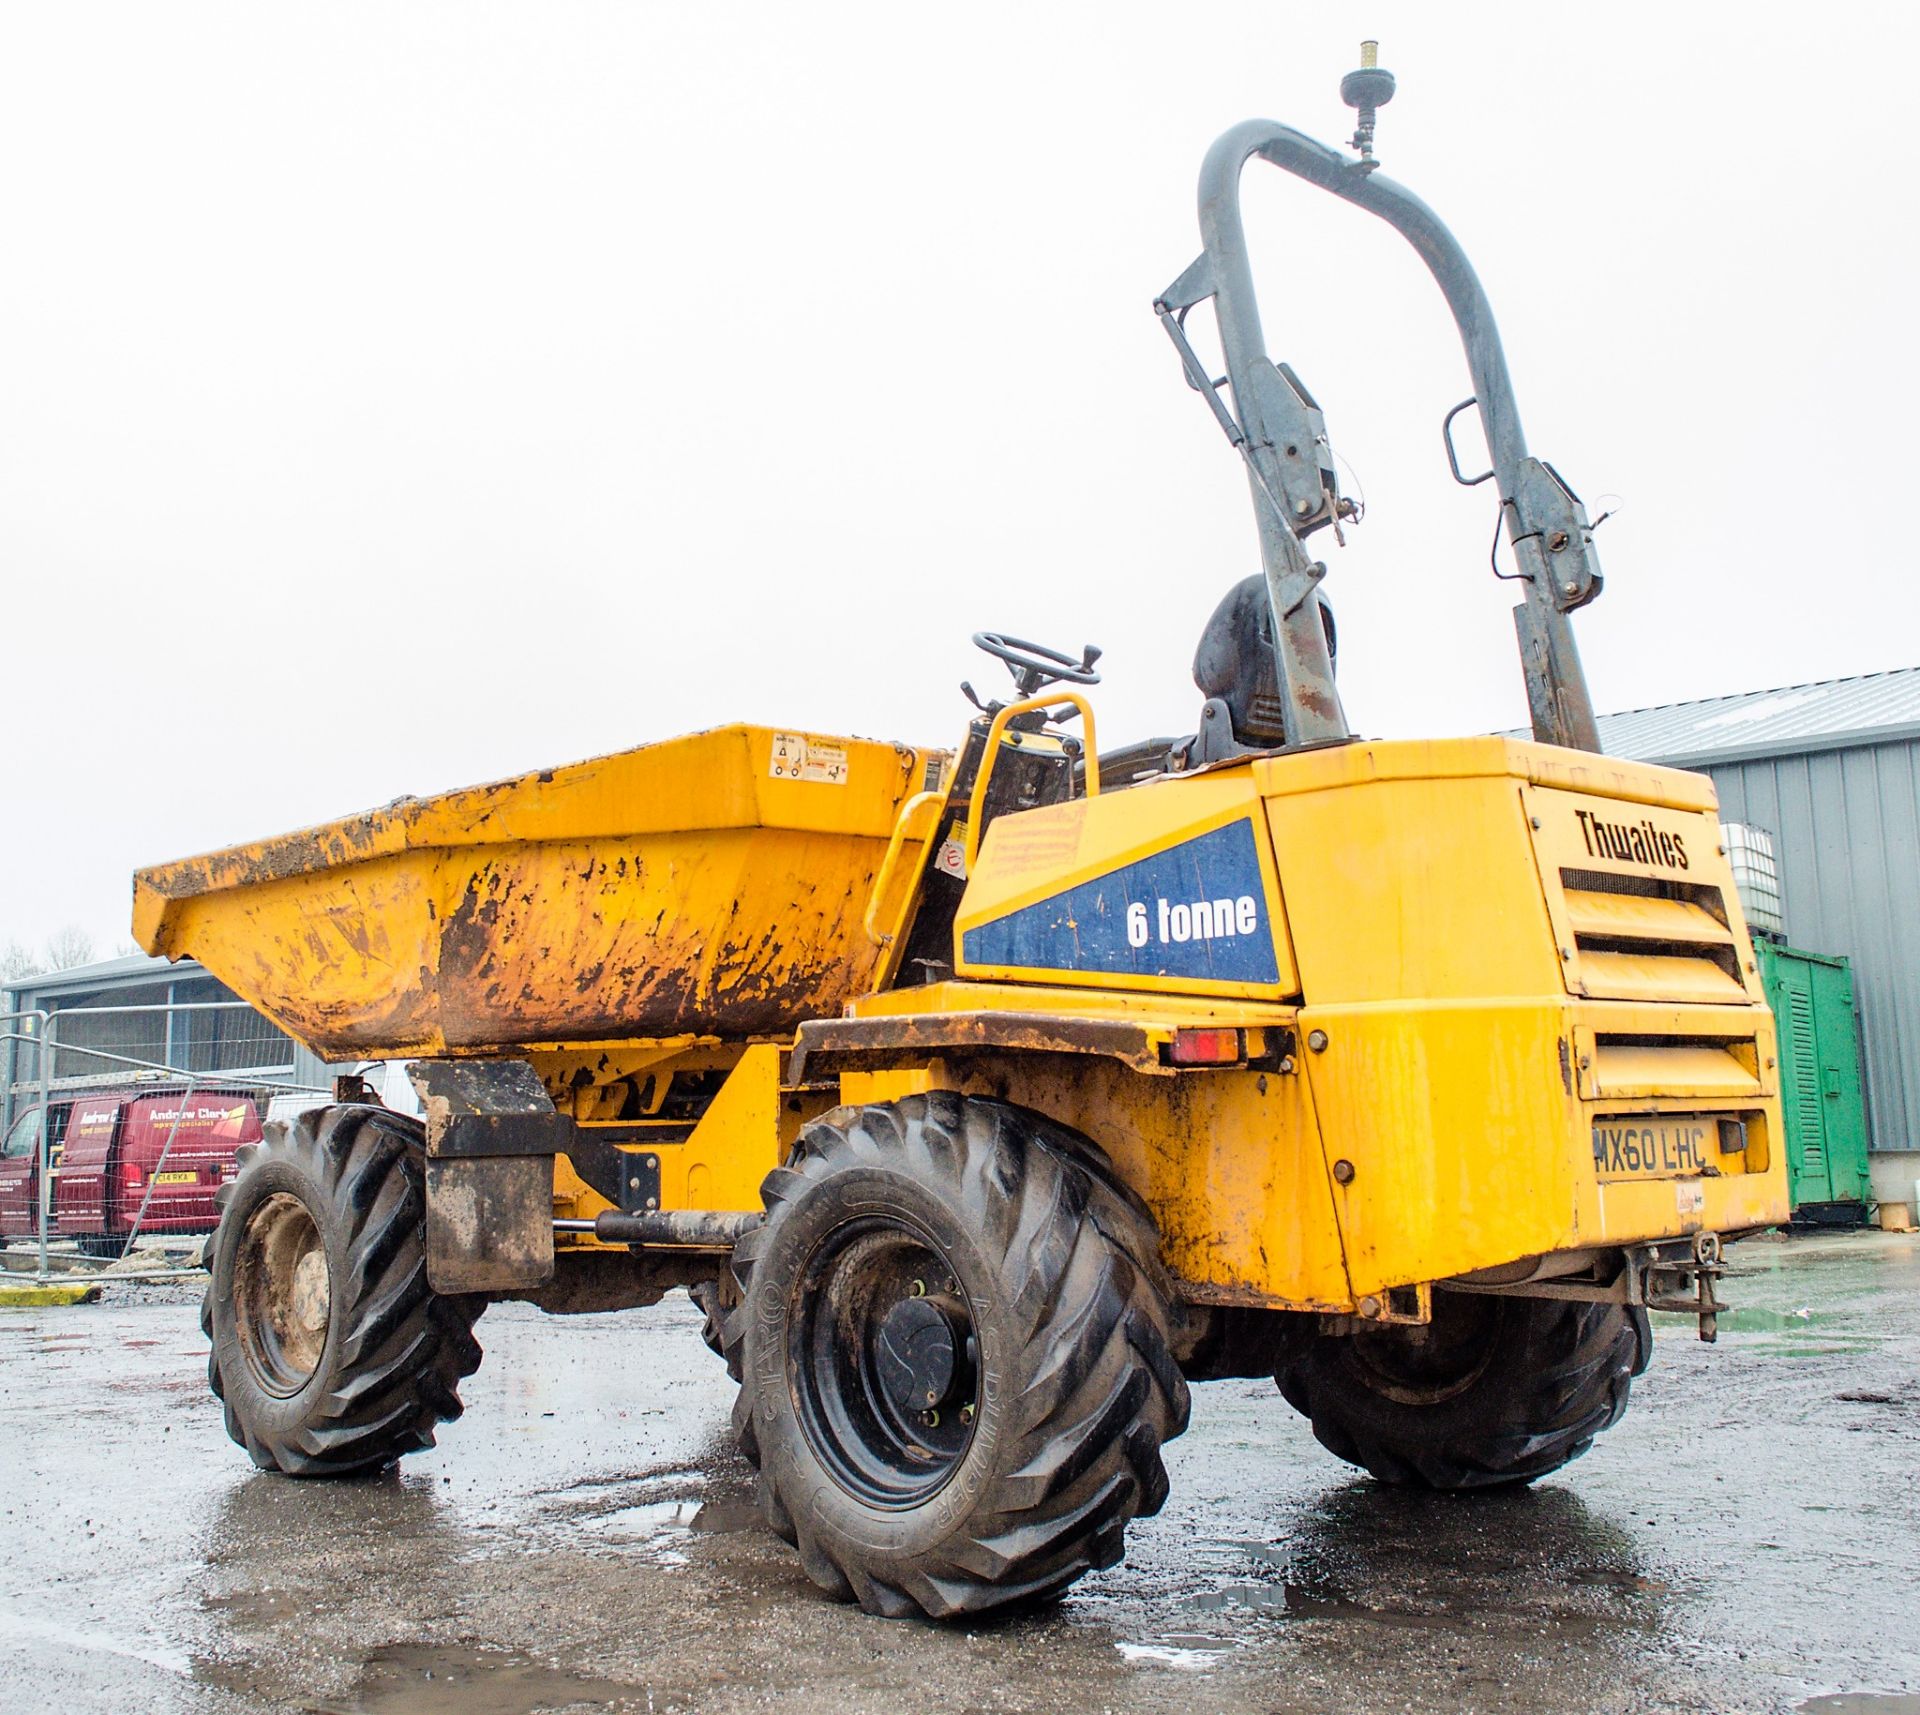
{"points": [[1872, 708], [104, 973]]}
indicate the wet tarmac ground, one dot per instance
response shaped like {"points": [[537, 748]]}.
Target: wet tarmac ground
{"points": [[583, 1539]]}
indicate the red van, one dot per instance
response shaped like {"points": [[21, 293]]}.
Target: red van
{"points": [[121, 1152], [20, 1170]]}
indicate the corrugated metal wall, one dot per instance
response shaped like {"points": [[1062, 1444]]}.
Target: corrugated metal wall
{"points": [[1847, 827]]}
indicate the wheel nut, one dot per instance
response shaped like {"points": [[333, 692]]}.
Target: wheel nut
{"points": [[918, 1289], [966, 1414], [931, 1419]]}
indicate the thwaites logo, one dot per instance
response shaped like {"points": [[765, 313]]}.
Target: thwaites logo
{"points": [[1632, 842]]}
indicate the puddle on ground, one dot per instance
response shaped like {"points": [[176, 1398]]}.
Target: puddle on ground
{"points": [[1278, 1554], [636, 1523], [1606, 1577], [720, 1516], [438, 1679], [1806, 1331], [1306, 1604], [1234, 1611], [666, 1501], [657, 1529], [1864, 1703], [24, 1631], [257, 1609], [1198, 1653]]}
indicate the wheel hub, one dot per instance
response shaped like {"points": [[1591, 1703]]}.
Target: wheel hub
{"points": [[312, 1294], [918, 1355], [885, 1361], [282, 1294]]}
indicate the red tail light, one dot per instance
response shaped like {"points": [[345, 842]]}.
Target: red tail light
{"points": [[134, 1173], [1205, 1047]]}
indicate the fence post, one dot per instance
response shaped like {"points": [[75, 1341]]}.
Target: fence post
{"points": [[45, 1176]]}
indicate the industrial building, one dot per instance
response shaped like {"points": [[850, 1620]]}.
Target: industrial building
{"points": [[1832, 771], [127, 1018]]}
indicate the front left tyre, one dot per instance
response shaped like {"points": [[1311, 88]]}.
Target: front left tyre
{"points": [[330, 1351]]}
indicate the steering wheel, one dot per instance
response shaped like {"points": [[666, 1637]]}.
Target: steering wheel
{"points": [[1034, 665]]}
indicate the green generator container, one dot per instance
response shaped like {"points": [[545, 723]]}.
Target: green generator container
{"points": [[1821, 1092]]}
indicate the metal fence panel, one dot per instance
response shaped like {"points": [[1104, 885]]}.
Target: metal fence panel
{"points": [[76, 1059]]}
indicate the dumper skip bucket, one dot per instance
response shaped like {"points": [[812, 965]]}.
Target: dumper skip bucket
{"points": [[705, 886]]}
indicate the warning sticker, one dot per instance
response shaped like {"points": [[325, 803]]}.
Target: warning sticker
{"points": [[798, 757], [951, 859], [1043, 839]]}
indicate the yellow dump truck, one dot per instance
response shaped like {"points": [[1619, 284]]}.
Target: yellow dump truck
{"points": [[986, 1098]]}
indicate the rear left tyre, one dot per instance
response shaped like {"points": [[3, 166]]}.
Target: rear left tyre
{"points": [[330, 1351], [955, 1352]]}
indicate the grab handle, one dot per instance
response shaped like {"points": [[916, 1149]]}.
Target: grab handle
{"points": [[903, 829], [977, 803]]}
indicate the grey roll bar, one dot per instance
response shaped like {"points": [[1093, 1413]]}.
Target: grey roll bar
{"points": [[1278, 430]]}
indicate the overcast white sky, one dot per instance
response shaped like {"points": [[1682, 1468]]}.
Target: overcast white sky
{"points": [[396, 396]]}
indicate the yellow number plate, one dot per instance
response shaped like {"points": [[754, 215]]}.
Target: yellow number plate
{"points": [[1652, 1146], [176, 1178]]}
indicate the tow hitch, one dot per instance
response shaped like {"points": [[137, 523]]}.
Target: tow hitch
{"points": [[1670, 1274], [1681, 1282]]}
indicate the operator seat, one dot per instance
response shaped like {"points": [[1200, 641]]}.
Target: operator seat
{"points": [[1239, 675], [1237, 672]]}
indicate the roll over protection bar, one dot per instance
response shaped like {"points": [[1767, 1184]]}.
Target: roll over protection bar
{"points": [[1278, 430]]}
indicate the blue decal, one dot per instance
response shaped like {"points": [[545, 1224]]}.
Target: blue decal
{"points": [[1197, 910]]}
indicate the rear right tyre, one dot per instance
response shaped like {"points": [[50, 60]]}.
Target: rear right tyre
{"points": [[1494, 1391]]}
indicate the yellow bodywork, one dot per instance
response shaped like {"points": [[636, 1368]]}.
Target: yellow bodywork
{"points": [[1470, 981], [1447, 959]]}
